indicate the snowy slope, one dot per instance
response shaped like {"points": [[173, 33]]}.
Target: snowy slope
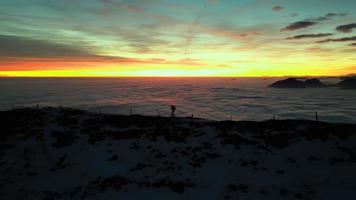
{"points": [[55, 153]]}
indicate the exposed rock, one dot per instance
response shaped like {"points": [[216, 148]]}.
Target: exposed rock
{"points": [[288, 83], [313, 83], [295, 83], [349, 83]]}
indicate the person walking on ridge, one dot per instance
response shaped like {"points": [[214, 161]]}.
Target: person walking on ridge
{"points": [[173, 108]]}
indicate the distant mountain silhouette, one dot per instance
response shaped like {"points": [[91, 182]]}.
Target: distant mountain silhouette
{"points": [[348, 76], [295, 83], [288, 83], [346, 83], [349, 83], [313, 83]]}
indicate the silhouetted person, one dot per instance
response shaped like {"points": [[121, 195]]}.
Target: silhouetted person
{"points": [[173, 108]]}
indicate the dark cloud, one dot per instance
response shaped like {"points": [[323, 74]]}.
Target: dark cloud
{"points": [[346, 28], [327, 17], [14, 49], [277, 8], [302, 36], [298, 25], [345, 39], [311, 21], [336, 14], [28, 48], [13, 46]]}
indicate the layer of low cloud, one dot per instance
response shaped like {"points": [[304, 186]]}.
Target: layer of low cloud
{"points": [[302, 36], [347, 28]]}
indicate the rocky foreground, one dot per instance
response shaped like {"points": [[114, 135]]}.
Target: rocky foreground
{"points": [[55, 153]]}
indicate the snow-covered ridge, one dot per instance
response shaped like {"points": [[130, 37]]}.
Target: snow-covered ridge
{"points": [[55, 153]]}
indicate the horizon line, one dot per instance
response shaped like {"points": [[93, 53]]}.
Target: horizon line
{"points": [[281, 76]]}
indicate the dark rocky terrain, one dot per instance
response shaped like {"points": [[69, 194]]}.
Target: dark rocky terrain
{"points": [[55, 153], [346, 83], [349, 83], [313, 83], [288, 83], [295, 83]]}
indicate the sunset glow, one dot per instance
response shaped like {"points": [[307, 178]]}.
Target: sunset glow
{"points": [[165, 38]]}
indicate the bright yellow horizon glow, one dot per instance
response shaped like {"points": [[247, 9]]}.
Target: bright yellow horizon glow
{"points": [[263, 66], [260, 68], [177, 72]]}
